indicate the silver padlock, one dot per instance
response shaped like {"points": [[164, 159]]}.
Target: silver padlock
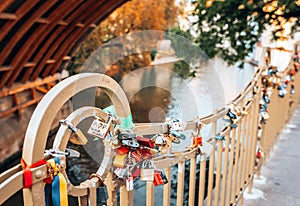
{"points": [[121, 172], [147, 171]]}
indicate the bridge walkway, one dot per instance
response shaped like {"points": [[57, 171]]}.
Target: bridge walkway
{"points": [[279, 180]]}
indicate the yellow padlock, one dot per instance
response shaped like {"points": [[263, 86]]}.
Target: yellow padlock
{"points": [[120, 160]]}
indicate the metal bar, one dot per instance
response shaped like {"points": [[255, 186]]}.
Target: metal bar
{"points": [[149, 193], [225, 169], [210, 176], [167, 187], [202, 180], [124, 196], [180, 183], [231, 168], [241, 151], [218, 172], [192, 184]]}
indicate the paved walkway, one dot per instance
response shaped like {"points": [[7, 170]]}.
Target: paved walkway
{"points": [[279, 184]]}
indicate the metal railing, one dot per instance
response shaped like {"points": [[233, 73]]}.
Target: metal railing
{"points": [[231, 153]]}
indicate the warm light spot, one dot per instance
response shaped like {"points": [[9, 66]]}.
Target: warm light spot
{"points": [[242, 6]]}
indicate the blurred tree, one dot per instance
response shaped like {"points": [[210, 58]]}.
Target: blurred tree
{"points": [[231, 28], [135, 15]]}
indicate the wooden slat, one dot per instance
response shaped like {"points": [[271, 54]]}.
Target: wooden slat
{"points": [[22, 87], [149, 193], [8, 16], [42, 21], [192, 183], [218, 172], [167, 187], [180, 183], [12, 42], [62, 35], [17, 37], [63, 9], [231, 168], [105, 10], [225, 168], [4, 4], [202, 180], [29, 64], [5, 68], [236, 162], [210, 177]]}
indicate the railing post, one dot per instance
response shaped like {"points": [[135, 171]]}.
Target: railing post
{"points": [[167, 187], [192, 183], [180, 183], [202, 180], [225, 167]]}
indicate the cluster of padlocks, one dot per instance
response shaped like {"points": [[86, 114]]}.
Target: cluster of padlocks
{"points": [[274, 80], [134, 153]]}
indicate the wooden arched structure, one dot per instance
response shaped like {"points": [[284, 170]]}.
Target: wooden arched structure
{"points": [[38, 37]]}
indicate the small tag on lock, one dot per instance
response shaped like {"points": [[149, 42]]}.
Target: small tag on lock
{"points": [[101, 195], [147, 171], [129, 182], [99, 129]]}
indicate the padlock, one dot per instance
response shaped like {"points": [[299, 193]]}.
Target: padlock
{"points": [[197, 141], [126, 135], [178, 135], [160, 178], [266, 98], [99, 128], [292, 89], [129, 182], [231, 115], [77, 137], [122, 150], [135, 172], [121, 172], [137, 155], [145, 142], [120, 160], [101, 195], [174, 139], [147, 171], [131, 143], [146, 153], [265, 115], [281, 93]]}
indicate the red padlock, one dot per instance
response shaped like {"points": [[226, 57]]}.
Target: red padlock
{"points": [[159, 178], [122, 150], [137, 155], [146, 154], [145, 142], [197, 141], [136, 172]]}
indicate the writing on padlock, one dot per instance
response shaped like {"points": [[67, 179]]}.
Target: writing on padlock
{"points": [[120, 160], [160, 178], [147, 171], [99, 128]]}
